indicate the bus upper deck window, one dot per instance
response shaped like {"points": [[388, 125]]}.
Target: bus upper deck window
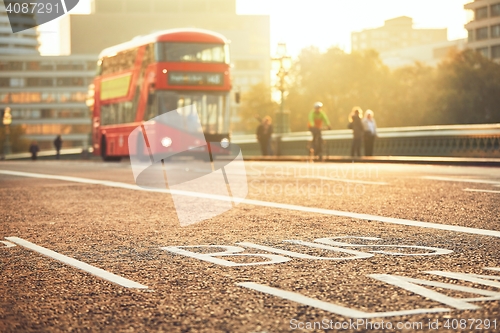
{"points": [[192, 52]]}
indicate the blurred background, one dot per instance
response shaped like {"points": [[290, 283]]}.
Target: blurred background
{"points": [[414, 63]]}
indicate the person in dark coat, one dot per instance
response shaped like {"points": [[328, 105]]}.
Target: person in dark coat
{"points": [[34, 149], [356, 125], [264, 134], [58, 145]]}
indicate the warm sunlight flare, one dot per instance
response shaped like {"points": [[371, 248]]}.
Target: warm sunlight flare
{"points": [[322, 23]]}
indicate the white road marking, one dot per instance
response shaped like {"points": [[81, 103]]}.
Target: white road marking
{"points": [[7, 244], [479, 190], [231, 251], [345, 180], [357, 254], [331, 307], [435, 250], [496, 269], [383, 219], [415, 286], [78, 264], [463, 180]]}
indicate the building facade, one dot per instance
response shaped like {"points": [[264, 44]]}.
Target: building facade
{"points": [[116, 21], [397, 33], [428, 54], [47, 96], [24, 42], [484, 27]]}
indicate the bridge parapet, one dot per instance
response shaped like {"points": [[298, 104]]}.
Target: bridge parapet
{"points": [[449, 140]]}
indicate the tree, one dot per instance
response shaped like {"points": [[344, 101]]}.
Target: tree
{"points": [[411, 96], [18, 144], [469, 89], [337, 79], [256, 103], [463, 89]]}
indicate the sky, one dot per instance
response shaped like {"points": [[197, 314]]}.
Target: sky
{"points": [[323, 23]]}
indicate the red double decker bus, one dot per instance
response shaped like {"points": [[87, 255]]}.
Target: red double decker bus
{"points": [[150, 75]]}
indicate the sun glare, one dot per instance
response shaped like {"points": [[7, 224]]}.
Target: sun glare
{"points": [[326, 23], [322, 23]]}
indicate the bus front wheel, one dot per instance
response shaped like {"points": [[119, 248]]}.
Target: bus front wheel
{"points": [[104, 152]]}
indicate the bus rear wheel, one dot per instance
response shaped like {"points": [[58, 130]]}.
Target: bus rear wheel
{"points": [[104, 152]]}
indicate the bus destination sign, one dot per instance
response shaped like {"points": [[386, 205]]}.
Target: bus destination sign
{"points": [[195, 79]]}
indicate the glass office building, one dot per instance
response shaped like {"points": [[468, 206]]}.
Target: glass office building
{"points": [[47, 96]]}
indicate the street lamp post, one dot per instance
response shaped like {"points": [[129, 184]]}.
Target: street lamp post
{"points": [[281, 63], [7, 120]]}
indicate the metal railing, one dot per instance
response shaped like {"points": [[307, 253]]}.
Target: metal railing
{"points": [[437, 141], [450, 141]]}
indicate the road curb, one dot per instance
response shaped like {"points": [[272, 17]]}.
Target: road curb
{"points": [[462, 161]]}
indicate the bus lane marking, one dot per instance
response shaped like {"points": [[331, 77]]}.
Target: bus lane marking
{"points": [[433, 250], [78, 264], [331, 307], [235, 251], [377, 218], [356, 254], [413, 285], [410, 284]]}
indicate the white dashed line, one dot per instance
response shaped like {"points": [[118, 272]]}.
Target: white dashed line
{"points": [[383, 219], [464, 180], [345, 180], [479, 190], [78, 264]]}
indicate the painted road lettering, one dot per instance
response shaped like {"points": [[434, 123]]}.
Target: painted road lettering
{"points": [[232, 251], [321, 243], [331, 307], [413, 285], [356, 254], [433, 250]]}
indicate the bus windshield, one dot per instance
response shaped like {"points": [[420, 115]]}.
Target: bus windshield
{"points": [[193, 52], [210, 107]]}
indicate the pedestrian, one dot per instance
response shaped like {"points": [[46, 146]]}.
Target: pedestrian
{"points": [[370, 132], [356, 125], [264, 134], [34, 150], [58, 145], [315, 124]]}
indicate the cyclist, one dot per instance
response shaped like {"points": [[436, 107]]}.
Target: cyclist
{"points": [[316, 119]]}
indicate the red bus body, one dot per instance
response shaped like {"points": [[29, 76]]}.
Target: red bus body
{"points": [[136, 74]]}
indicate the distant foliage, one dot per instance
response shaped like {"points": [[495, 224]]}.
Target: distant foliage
{"points": [[463, 89], [255, 104], [18, 144], [469, 89]]}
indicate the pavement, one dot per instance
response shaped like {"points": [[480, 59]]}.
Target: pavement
{"points": [[314, 247]]}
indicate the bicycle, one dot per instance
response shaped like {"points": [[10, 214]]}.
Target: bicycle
{"points": [[317, 144]]}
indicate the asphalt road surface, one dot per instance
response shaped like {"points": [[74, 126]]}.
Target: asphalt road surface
{"points": [[312, 248]]}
